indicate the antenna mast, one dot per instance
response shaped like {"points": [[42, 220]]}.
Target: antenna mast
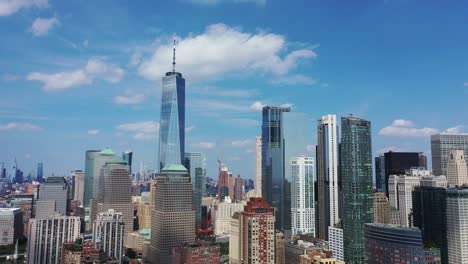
{"points": [[173, 56]]}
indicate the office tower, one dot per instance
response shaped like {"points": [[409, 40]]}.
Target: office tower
{"points": [[91, 169], [457, 171], [280, 248], [258, 166], [195, 162], [11, 225], [327, 174], [388, 244], [173, 219], [13, 172], [225, 211], [108, 233], [400, 188], [224, 183], [47, 235], [53, 197], [172, 121], [144, 211], [115, 190], [2, 170], [25, 203], [381, 208], [336, 243], [40, 172], [78, 186], [356, 174], [429, 204], [380, 183], [128, 157], [302, 195], [199, 253], [283, 137], [238, 188], [397, 163], [422, 160], [457, 214], [252, 237], [440, 146]]}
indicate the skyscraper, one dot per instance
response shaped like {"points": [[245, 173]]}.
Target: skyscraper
{"points": [[397, 163], [400, 188], [422, 160], [47, 235], [90, 170], [381, 208], [128, 157], [238, 188], [78, 186], [327, 178], [53, 197], [195, 162], [380, 183], [172, 122], [440, 146], [457, 213], [356, 174], [302, 195], [13, 172], [258, 166], [108, 233], [40, 172], [457, 171], [173, 218]]}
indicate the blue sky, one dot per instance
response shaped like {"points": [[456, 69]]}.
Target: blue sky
{"points": [[76, 75]]}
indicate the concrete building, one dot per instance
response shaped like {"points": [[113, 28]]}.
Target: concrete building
{"points": [[108, 233], [238, 188], [173, 218], [335, 239], [457, 214], [381, 208], [280, 248], [327, 174], [457, 171], [78, 188], [258, 166], [295, 249], [252, 237], [199, 253], [225, 183], [11, 225], [441, 144], [319, 257], [53, 197], [224, 213], [400, 195], [47, 235], [25, 202], [302, 195]]}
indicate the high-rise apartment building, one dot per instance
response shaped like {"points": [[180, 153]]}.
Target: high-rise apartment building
{"points": [[173, 219], [400, 195], [397, 163], [11, 225], [258, 166], [225, 183], [457, 171], [429, 205], [47, 235], [356, 174], [78, 188], [238, 188], [53, 197], [327, 174], [302, 195], [195, 162], [108, 233], [381, 208], [440, 146], [283, 137], [224, 212], [336, 244], [457, 224], [115, 190], [252, 237], [40, 172]]}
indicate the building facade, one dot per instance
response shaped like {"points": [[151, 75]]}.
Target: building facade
{"points": [[457, 171], [199, 253], [457, 213], [336, 244], [381, 208], [54, 196], [258, 166], [356, 173], [195, 162], [224, 213], [11, 225], [327, 174], [400, 195], [302, 195], [397, 163], [380, 183], [78, 186], [108, 233], [40, 172], [440, 146]]}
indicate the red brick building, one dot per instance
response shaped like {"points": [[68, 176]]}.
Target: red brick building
{"points": [[199, 253]]}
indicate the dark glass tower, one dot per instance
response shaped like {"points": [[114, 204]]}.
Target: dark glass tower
{"points": [[172, 122], [40, 172], [398, 162], [356, 173]]}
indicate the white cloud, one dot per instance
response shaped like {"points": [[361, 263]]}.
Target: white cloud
{"points": [[290, 105], [96, 68], [204, 145], [294, 80], [215, 2], [406, 128], [41, 26], [142, 130], [93, 132], [465, 84], [221, 50], [8, 7], [257, 106], [242, 143], [19, 127], [190, 128], [456, 130], [132, 99]]}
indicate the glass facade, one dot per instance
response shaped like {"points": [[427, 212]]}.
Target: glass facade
{"points": [[440, 146], [89, 176], [195, 162], [172, 122], [356, 173], [380, 173], [40, 172]]}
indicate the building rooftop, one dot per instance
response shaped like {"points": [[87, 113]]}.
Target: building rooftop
{"points": [[174, 167], [9, 211]]}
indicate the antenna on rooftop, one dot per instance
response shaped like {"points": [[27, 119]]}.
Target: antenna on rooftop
{"points": [[173, 55]]}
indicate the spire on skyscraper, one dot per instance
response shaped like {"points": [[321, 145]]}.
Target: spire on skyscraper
{"points": [[173, 55]]}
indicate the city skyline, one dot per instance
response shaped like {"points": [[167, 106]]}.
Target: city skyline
{"points": [[76, 78]]}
